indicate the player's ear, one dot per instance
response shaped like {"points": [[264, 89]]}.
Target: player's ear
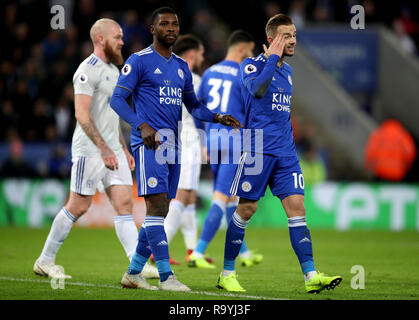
{"points": [[152, 29], [101, 39]]}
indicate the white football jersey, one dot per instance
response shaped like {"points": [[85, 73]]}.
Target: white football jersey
{"points": [[97, 79], [189, 133]]}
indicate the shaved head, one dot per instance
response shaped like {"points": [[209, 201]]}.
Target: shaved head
{"points": [[102, 27], [106, 35]]}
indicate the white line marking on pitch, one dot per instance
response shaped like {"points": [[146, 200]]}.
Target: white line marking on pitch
{"points": [[81, 284]]}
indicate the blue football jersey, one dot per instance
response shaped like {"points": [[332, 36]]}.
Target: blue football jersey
{"points": [[220, 91], [272, 112], [157, 85]]}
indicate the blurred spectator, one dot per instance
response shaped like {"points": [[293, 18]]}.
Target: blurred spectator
{"points": [[133, 30], [9, 118], [85, 14], [63, 114], [297, 13], [39, 121], [59, 165], [390, 151], [15, 166], [53, 44], [323, 11], [406, 42], [312, 165], [271, 8]]}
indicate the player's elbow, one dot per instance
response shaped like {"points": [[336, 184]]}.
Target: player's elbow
{"points": [[80, 115], [113, 102]]}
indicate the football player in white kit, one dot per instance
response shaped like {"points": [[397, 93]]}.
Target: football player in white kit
{"points": [[99, 153], [182, 211]]}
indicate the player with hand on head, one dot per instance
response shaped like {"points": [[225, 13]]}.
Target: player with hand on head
{"points": [[159, 82], [99, 153], [267, 91], [221, 92], [182, 212]]}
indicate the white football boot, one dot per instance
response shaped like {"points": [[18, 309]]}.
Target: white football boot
{"points": [[136, 281], [171, 284], [49, 270]]}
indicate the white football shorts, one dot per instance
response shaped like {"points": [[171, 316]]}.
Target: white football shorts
{"points": [[89, 174], [190, 168]]}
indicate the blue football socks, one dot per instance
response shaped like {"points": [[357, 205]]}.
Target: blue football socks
{"points": [[211, 225], [301, 243], [234, 239]]}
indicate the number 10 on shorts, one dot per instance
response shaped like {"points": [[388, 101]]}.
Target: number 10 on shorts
{"points": [[298, 180]]}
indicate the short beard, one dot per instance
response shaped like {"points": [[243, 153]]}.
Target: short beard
{"points": [[113, 56], [164, 43]]}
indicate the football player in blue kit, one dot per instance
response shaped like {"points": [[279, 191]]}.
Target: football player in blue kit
{"points": [[220, 91], [159, 82], [266, 92]]}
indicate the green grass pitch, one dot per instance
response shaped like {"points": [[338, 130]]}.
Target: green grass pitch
{"points": [[95, 259]]}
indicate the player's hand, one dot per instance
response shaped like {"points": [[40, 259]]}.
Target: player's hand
{"points": [[131, 160], [149, 136], [276, 47], [109, 158], [228, 120]]}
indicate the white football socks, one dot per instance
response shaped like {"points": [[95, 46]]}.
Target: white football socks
{"points": [[61, 226], [173, 219], [127, 233], [189, 227]]}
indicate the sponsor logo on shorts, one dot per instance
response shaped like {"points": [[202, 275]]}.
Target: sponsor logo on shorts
{"points": [[152, 182], [246, 186], [89, 184]]}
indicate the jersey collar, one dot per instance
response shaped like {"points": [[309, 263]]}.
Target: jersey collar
{"points": [[166, 59]]}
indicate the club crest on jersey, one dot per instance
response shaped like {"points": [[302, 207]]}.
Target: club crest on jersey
{"points": [[289, 79], [250, 68], [152, 182], [126, 69], [246, 186], [83, 78], [180, 73]]}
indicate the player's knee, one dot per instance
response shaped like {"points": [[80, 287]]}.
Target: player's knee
{"points": [[158, 208], [124, 206], [77, 211], [297, 209], [246, 209]]}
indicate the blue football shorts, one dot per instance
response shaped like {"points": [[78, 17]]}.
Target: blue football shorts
{"points": [[282, 174], [223, 163], [156, 172]]}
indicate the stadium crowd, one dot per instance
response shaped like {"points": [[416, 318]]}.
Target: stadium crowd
{"points": [[37, 63]]}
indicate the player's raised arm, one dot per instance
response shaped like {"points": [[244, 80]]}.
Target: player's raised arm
{"points": [[258, 84]]}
